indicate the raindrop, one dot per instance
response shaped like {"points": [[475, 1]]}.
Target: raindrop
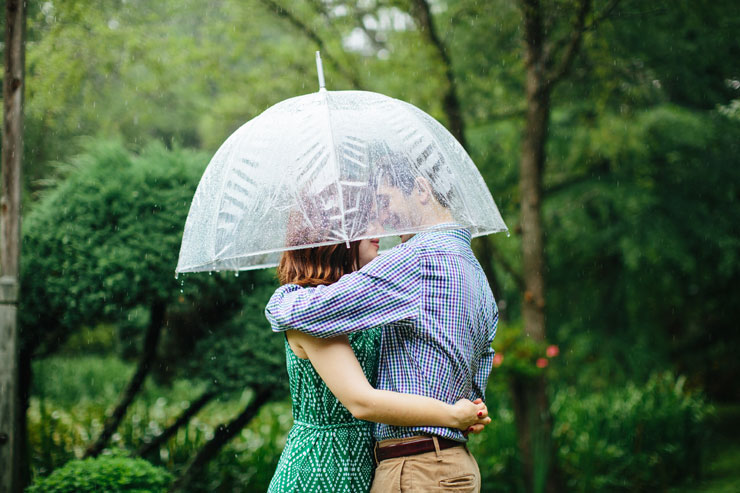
{"points": [[508, 234], [210, 272], [236, 273]]}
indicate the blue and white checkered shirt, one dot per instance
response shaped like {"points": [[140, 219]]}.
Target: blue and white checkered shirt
{"points": [[438, 313]]}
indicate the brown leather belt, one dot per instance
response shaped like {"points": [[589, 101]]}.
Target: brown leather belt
{"points": [[412, 447]]}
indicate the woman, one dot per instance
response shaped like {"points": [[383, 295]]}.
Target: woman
{"points": [[330, 445]]}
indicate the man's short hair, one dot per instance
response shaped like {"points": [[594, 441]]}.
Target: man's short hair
{"points": [[398, 170]]}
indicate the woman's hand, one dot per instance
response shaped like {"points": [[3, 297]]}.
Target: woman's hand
{"points": [[470, 416]]}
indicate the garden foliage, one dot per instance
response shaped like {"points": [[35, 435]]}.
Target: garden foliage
{"points": [[112, 474], [640, 437], [640, 212]]}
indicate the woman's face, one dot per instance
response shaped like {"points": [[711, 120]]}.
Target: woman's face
{"points": [[368, 250]]}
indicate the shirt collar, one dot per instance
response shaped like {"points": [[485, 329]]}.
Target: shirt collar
{"points": [[449, 229]]}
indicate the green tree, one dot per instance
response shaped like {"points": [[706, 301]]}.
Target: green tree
{"points": [[102, 248], [103, 243]]}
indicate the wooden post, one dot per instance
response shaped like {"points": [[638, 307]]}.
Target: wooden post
{"points": [[12, 152]]}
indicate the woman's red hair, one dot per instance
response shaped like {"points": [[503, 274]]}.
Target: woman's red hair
{"points": [[318, 265], [323, 264]]}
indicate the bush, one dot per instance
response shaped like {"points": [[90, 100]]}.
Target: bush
{"points": [[633, 438], [106, 473]]}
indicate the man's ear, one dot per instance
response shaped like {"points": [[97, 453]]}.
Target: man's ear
{"points": [[423, 190]]}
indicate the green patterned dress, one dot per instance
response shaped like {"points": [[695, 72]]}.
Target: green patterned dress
{"points": [[327, 450]]}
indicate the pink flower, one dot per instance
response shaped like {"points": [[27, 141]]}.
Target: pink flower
{"points": [[552, 351], [498, 358], [542, 362]]}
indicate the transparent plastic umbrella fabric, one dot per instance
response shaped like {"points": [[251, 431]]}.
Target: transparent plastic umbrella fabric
{"points": [[314, 170]]}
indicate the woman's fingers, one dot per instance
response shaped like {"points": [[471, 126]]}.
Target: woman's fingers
{"points": [[482, 410], [476, 428], [473, 416]]}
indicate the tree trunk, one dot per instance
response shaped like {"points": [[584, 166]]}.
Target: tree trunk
{"points": [[10, 218], [223, 435], [532, 411], [534, 422], [149, 352], [184, 418]]}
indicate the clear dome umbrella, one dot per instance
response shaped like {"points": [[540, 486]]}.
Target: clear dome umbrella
{"points": [[330, 167]]}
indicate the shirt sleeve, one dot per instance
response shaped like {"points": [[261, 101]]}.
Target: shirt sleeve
{"points": [[386, 290], [485, 364]]}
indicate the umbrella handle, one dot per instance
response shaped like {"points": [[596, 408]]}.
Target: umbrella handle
{"points": [[320, 71]]}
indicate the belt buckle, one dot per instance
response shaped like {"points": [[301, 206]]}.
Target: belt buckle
{"points": [[375, 454]]}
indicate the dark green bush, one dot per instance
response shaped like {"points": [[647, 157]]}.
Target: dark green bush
{"points": [[636, 438], [106, 473]]}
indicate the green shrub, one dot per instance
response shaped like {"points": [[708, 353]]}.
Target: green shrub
{"points": [[633, 438], [106, 473]]}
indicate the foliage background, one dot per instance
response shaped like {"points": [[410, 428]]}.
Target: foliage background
{"points": [[126, 100]]}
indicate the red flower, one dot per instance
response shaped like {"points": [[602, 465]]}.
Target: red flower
{"points": [[542, 362], [552, 351], [498, 358]]}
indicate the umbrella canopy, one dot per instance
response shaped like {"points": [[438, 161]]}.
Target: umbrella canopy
{"points": [[319, 169]]}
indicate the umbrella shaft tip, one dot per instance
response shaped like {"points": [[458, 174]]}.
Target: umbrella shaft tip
{"points": [[320, 72]]}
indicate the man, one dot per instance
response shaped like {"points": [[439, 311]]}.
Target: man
{"points": [[440, 316]]}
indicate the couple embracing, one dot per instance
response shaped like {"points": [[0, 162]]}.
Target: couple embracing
{"points": [[402, 339]]}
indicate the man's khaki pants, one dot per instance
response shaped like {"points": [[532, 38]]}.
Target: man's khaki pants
{"points": [[452, 469]]}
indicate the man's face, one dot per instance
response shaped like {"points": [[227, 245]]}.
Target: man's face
{"points": [[394, 207]]}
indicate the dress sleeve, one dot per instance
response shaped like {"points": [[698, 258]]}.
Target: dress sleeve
{"points": [[386, 290]]}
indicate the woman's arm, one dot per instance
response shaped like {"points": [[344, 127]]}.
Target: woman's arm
{"points": [[338, 367]]}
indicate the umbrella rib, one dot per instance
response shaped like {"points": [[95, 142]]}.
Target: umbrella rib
{"points": [[333, 151]]}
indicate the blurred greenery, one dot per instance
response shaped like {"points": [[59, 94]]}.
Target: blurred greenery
{"points": [[72, 395], [126, 100], [637, 438]]}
